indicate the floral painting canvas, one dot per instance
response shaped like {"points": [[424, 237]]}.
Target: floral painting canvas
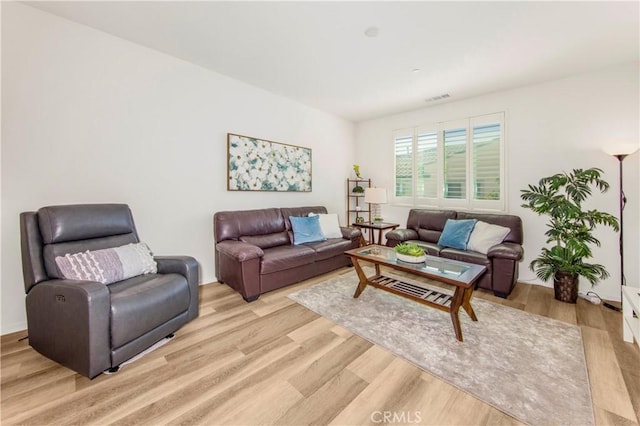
{"points": [[259, 165]]}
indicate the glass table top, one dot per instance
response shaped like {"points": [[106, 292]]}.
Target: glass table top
{"points": [[433, 266]]}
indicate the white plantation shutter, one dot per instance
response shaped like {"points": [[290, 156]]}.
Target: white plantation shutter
{"points": [[455, 163], [486, 161], [403, 149], [427, 164]]}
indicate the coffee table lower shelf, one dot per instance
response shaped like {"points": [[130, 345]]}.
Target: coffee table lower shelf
{"points": [[418, 293]]}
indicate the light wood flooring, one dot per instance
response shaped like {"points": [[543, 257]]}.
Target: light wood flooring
{"points": [[274, 362]]}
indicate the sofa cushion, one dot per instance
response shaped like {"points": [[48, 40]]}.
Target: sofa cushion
{"points": [[142, 303], [268, 240], [485, 235], [329, 225], [466, 256], [429, 235], [306, 229], [456, 233], [231, 225], [286, 257], [422, 220], [330, 248], [107, 265]]}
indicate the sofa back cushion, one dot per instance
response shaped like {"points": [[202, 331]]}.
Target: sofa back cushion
{"points": [[268, 240], [509, 221], [300, 212], [429, 223], [234, 225]]}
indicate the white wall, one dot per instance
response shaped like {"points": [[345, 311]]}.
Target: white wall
{"points": [[88, 117], [551, 127]]}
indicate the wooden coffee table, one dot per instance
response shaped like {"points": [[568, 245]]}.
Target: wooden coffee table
{"points": [[460, 275]]}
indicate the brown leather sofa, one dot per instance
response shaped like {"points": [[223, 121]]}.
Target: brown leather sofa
{"points": [[254, 253], [424, 228]]}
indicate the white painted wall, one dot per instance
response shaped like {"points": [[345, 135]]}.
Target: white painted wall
{"points": [[88, 117], [551, 127]]}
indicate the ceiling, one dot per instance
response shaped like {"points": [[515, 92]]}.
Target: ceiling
{"points": [[318, 54]]}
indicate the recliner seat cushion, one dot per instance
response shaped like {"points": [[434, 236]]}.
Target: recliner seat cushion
{"points": [[140, 304]]}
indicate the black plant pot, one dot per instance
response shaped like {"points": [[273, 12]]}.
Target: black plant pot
{"points": [[565, 287]]}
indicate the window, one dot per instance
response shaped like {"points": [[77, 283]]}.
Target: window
{"points": [[404, 165], [452, 164]]}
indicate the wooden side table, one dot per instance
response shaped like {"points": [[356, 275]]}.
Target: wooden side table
{"points": [[372, 226]]}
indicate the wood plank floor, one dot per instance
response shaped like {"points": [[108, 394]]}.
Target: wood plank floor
{"points": [[274, 362]]}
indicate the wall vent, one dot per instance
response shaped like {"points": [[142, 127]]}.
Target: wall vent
{"points": [[437, 98]]}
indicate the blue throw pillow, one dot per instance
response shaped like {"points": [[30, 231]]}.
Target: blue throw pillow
{"points": [[306, 229], [456, 233]]}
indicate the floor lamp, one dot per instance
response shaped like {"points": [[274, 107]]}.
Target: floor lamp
{"points": [[620, 152]]}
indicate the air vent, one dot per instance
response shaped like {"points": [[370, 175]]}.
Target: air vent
{"points": [[437, 98]]}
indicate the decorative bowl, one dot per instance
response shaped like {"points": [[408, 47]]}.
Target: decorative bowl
{"points": [[411, 259]]}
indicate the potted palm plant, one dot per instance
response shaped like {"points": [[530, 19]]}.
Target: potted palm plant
{"points": [[570, 230]]}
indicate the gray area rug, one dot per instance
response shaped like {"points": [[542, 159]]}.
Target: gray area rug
{"points": [[530, 367]]}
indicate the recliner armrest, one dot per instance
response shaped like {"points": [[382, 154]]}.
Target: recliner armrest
{"points": [[238, 250], [79, 336], [511, 251], [402, 235], [350, 233], [188, 267]]}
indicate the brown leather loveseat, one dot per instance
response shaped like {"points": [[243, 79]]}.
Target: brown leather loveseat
{"points": [[424, 228], [254, 250]]}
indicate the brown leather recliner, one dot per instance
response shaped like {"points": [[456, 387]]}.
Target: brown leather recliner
{"points": [[86, 325]]}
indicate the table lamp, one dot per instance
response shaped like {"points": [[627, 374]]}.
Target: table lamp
{"points": [[376, 197]]}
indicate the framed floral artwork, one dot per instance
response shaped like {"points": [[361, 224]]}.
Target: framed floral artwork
{"points": [[260, 165]]}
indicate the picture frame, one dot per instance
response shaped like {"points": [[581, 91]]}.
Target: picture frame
{"points": [[255, 164]]}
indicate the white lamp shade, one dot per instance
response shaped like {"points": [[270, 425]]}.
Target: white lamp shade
{"points": [[375, 195], [620, 148]]}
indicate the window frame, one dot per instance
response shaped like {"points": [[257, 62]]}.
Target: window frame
{"points": [[468, 202]]}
